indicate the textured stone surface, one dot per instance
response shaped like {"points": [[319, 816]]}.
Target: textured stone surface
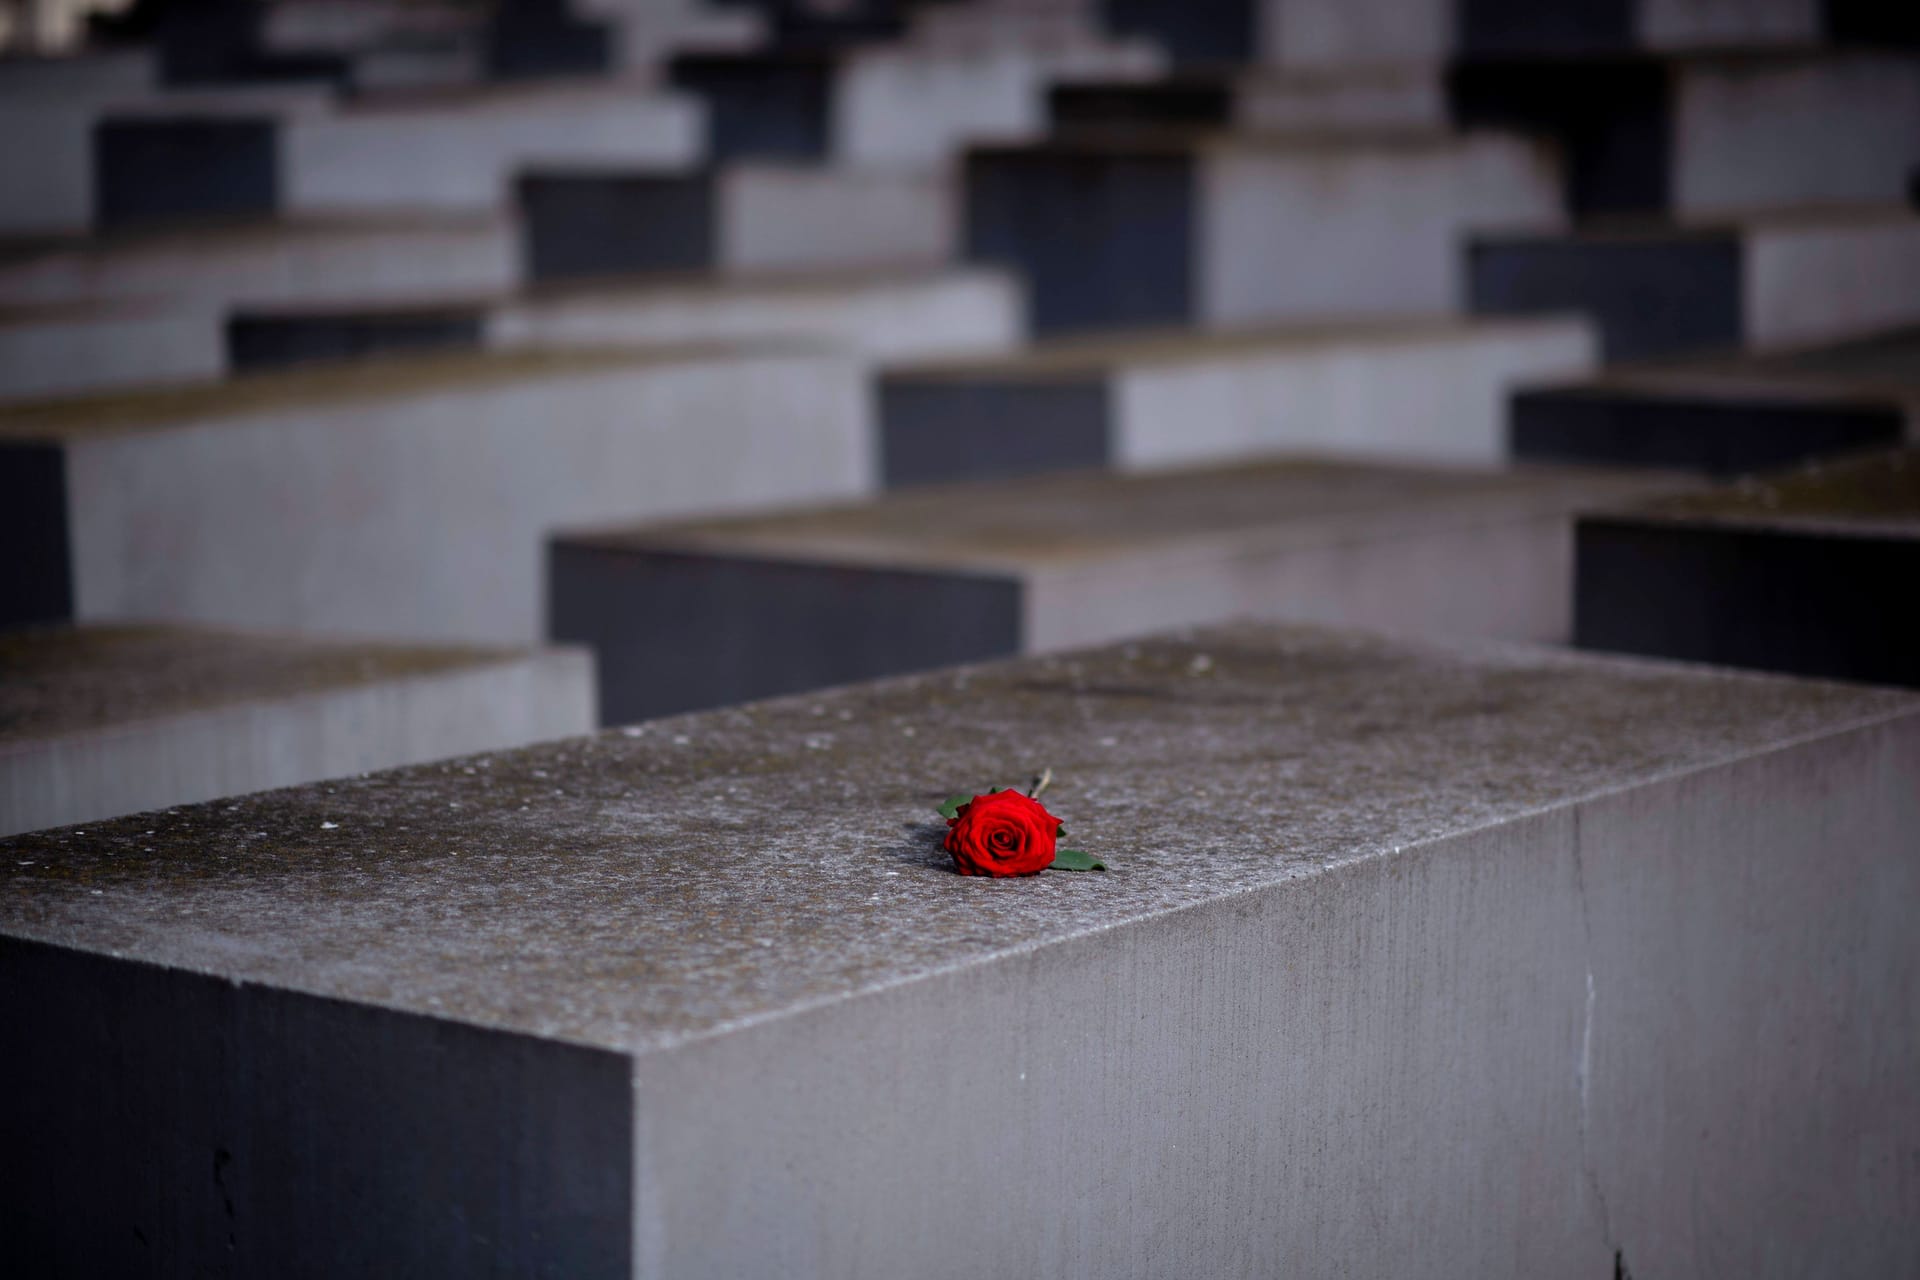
{"points": [[652, 884], [1383, 923], [104, 720]]}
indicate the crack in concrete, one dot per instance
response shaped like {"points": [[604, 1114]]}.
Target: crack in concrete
{"points": [[1584, 1070]]}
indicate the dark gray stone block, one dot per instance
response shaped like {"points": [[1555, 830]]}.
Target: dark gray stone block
{"points": [[1811, 573], [1651, 294], [267, 340], [1105, 237], [168, 170], [681, 631], [216, 1128], [36, 572], [1629, 427], [935, 429], [771, 106], [583, 225]]}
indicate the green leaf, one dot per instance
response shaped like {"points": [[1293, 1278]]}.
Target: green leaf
{"points": [[950, 807], [1074, 860]]}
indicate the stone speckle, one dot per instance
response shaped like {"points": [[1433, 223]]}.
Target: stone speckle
{"points": [[635, 889]]}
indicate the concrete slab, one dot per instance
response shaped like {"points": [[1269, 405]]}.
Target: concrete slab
{"points": [[98, 721], [1808, 571], [1759, 282], [1384, 924], [1730, 416], [404, 498], [1430, 390], [903, 105], [1709, 134], [710, 613], [50, 105], [313, 260], [453, 151], [1183, 230], [736, 218]]}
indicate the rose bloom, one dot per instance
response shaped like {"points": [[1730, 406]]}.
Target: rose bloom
{"points": [[1002, 833]]}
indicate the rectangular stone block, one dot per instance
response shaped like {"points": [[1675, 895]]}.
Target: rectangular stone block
{"points": [[1710, 134], [904, 105], [710, 613], [1172, 231], [407, 498], [1384, 924], [1432, 390], [105, 720], [1759, 282], [442, 152], [1808, 571], [1729, 416], [285, 261], [740, 218]]}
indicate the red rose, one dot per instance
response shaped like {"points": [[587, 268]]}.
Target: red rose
{"points": [[1002, 834]]}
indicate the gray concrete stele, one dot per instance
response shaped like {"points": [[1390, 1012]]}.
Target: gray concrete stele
{"points": [[1451, 960], [1810, 572], [714, 612]]}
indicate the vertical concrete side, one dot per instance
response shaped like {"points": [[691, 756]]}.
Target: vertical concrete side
{"points": [[449, 493], [1499, 577], [1671, 1024], [788, 218], [1818, 283], [683, 631], [288, 1135], [1441, 399], [1383, 224], [1843, 128], [253, 746]]}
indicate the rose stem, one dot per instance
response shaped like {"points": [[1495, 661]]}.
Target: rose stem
{"points": [[1040, 783]]}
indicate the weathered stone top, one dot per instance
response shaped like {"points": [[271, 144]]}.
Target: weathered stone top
{"points": [[330, 386], [677, 878], [240, 233], [1082, 356], [1070, 517], [1871, 495], [58, 680]]}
